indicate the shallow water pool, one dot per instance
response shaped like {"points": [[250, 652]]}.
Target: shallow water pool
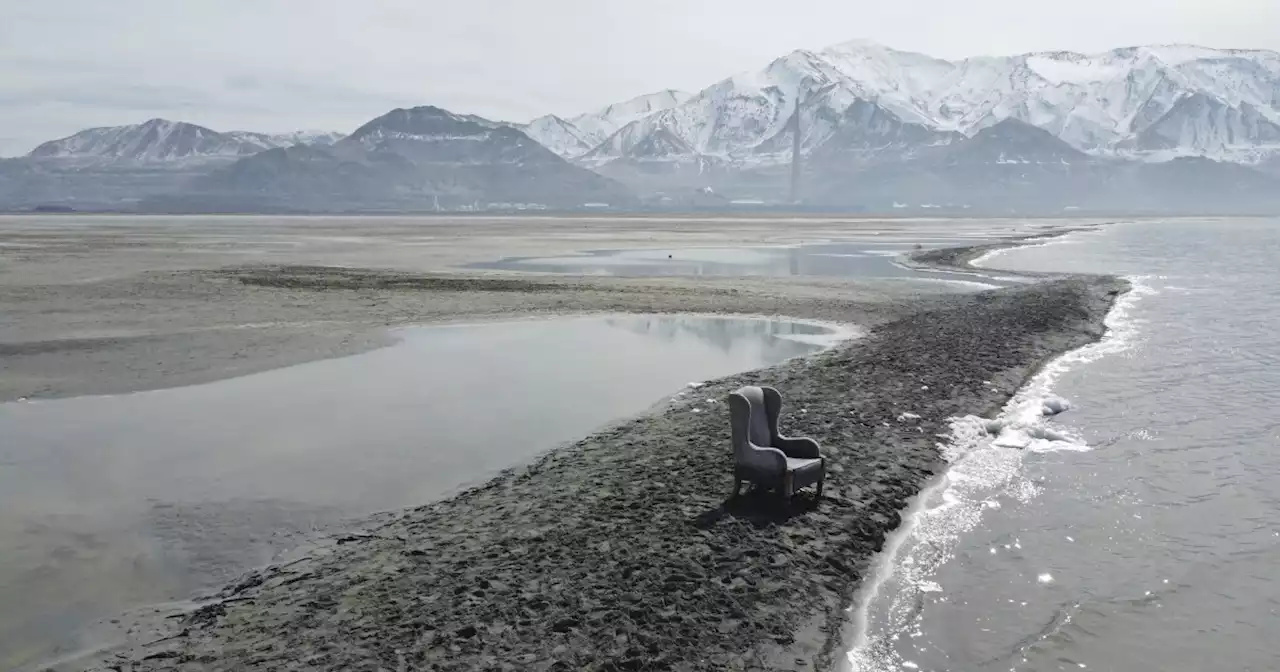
{"points": [[110, 502], [860, 259]]}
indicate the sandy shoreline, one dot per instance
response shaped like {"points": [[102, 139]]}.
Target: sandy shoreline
{"points": [[611, 553]]}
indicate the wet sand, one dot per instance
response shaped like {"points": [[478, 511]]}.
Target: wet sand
{"points": [[617, 552]]}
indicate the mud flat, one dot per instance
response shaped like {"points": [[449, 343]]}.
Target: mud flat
{"points": [[619, 552], [111, 304]]}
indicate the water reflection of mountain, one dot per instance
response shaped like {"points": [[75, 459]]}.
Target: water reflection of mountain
{"points": [[726, 332]]}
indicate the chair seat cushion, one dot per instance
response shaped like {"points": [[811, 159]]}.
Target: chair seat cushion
{"points": [[801, 464]]}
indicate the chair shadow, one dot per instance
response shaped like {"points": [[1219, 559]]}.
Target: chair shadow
{"points": [[761, 508]]}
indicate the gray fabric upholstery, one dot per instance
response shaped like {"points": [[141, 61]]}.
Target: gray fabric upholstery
{"points": [[764, 456], [752, 441], [802, 463], [759, 432]]}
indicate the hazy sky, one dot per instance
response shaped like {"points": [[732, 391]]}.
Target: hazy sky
{"points": [[276, 65]]}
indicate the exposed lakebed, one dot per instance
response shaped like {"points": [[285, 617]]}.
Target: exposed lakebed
{"points": [[115, 501]]}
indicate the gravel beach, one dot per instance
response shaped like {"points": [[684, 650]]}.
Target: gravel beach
{"points": [[618, 552]]}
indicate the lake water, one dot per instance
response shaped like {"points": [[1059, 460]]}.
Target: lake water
{"points": [[115, 501], [859, 253], [844, 259], [1140, 530]]}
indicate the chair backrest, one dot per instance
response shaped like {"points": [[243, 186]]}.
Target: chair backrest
{"points": [[752, 416]]}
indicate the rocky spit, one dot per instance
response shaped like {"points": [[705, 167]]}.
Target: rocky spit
{"points": [[620, 551]]}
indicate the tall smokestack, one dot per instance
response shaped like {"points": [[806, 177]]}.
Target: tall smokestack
{"points": [[795, 152]]}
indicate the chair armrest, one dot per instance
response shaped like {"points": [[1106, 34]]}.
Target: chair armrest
{"points": [[766, 458], [801, 447]]}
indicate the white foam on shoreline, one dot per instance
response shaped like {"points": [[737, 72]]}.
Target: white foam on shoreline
{"points": [[832, 338], [985, 458], [1073, 238], [960, 283], [881, 571], [977, 276], [982, 260]]}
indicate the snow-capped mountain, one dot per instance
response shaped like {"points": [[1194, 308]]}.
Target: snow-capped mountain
{"points": [[1211, 125], [558, 135], [160, 141], [578, 135], [868, 132], [154, 141], [598, 125], [273, 140], [1016, 143], [1100, 103]]}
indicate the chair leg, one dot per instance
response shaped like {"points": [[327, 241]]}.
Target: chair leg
{"points": [[821, 482], [737, 487]]}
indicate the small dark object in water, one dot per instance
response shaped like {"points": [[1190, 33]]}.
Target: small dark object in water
{"points": [[668, 256]]}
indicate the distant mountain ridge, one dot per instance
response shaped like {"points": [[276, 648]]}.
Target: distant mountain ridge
{"points": [[418, 158], [881, 128], [1169, 100], [161, 141], [1153, 129], [1013, 166]]}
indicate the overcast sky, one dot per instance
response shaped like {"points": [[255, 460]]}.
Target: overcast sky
{"points": [[276, 65]]}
